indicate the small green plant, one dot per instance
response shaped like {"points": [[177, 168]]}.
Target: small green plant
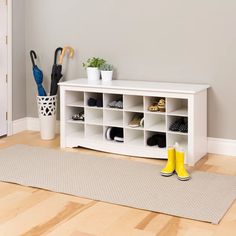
{"points": [[106, 67], [94, 62]]}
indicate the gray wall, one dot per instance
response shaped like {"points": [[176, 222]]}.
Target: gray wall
{"points": [[157, 40], [19, 64]]}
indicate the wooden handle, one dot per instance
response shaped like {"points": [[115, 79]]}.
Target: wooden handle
{"points": [[70, 50]]}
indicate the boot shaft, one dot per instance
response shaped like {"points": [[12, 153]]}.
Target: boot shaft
{"points": [[171, 154], [179, 155]]}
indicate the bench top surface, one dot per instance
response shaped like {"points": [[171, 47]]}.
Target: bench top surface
{"points": [[139, 85]]}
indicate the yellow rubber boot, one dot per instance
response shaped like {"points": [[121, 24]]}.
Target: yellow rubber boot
{"points": [[169, 169], [180, 169]]}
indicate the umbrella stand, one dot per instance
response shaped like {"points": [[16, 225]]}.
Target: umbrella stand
{"points": [[47, 109]]}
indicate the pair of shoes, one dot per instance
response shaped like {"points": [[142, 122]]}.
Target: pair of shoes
{"points": [[175, 164], [114, 133], [79, 116], [116, 104], [95, 102], [180, 125], [157, 139], [159, 105], [137, 121]]}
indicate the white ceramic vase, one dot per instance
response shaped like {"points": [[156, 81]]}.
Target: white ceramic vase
{"points": [[93, 73], [107, 76]]}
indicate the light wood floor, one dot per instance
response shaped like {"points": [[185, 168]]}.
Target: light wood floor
{"points": [[29, 211]]}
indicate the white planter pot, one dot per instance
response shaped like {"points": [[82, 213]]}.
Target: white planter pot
{"points": [[107, 76], [93, 73]]}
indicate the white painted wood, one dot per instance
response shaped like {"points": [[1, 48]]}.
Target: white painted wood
{"points": [[9, 69], [133, 103], [91, 133], [219, 146], [222, 146], [19, 125], [113, 118], [94, 116], [178, 107], [139, 85], [199, 123], [3, 68], [63, 107], [155, 122]]}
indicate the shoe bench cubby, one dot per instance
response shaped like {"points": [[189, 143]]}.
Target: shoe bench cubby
{"points": [[188, 101]]}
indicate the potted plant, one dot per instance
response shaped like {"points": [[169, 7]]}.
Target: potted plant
{"points": [[107, 72], [92, 66]]}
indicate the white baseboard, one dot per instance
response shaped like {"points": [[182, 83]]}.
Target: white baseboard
{"points": [[222, 146], [215, 145], [19, 125], [29, 123]]}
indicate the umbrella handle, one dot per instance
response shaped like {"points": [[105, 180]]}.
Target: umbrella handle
{"points": [[56, 53], [33, 56], [70, 50]]}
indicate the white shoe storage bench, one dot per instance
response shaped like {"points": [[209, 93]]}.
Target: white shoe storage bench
{"points": [[182, 100]]}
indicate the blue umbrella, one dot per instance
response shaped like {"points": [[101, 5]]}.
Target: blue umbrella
{"points": [[38, 75]]}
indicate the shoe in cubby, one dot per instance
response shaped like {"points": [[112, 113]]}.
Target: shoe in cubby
{"points": [[137, 120], [114, 134], [78, 116], [94, 99], [133, 120], [113, 101], [178, 124], [156, 139], [74, 114], [155, 104]]}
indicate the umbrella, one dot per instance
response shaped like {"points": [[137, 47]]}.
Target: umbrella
{"points": [[38, 74], [56, 74], [57, 68]]}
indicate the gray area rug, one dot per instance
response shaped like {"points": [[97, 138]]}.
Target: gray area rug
{"points": [[206, 197]]}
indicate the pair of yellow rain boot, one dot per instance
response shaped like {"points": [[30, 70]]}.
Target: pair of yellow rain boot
{"points": [[175, 163]]}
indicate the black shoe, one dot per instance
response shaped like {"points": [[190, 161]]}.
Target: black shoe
{"points": [[108, 133], [176, 125], [79, 116], [117, 134], [92, 102], [153, 140], [184, 127], [99, 103], [161, 141], [157, 140]]}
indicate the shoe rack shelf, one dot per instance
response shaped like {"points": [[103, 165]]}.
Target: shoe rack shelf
{"points": [[182, 101]]}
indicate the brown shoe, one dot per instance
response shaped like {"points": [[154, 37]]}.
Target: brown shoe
{"points": [[162, 105], [153, 107], [136, 121]]}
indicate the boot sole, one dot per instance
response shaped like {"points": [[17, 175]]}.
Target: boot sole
{"points": [[167, 174], [184, 179]]}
